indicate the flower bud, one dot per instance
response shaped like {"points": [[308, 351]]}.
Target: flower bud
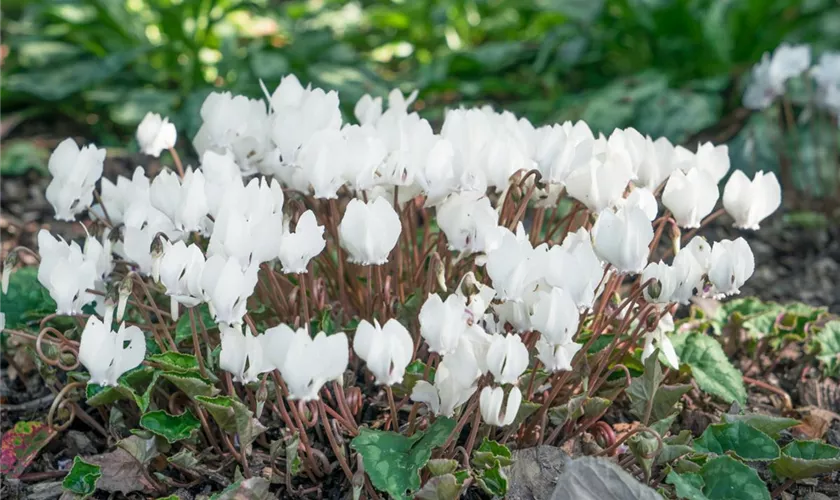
{"points": [[8, 266], [157, 254], [125, 289]]}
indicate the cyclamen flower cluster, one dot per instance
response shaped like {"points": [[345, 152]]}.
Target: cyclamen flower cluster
{"points": [[206, 237], [770, 76]]}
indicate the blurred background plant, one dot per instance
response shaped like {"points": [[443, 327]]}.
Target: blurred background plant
{"points": [[674, 68]]}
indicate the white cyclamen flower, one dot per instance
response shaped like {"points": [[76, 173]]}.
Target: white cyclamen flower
{"points": [[369, 231], [470, 222], [184, 201], [491, 401], [515, 266], [555, 315], [622, 238], [307, 363], [75, 172], [751, 202], [105, 354], [154, 134], [660, 337], [227, 288], [574, 267], [445, 395], [387, 349], [507, 358], [65, 273], [239, 350], [305, 243], [732, 264], [181, 267], [690, 197], [557, 357], [661, 290], [600, 184], [442, 323]]}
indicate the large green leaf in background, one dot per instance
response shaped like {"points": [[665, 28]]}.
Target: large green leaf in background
{"points": [[710, 367], [27, 301]]}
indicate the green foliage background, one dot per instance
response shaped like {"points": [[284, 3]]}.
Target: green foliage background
{"points": [[667, 67]]}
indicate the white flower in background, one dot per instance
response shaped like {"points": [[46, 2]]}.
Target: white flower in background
{"points": [[387, 349], [307, 363], [127, 201], [184, 201], [555, 315], [574, 267], [106, 355], [515, 266], [227, 288], [75, 172], [827, 75], [305, 243], [154, 134], [236, 124], [288, 94], [507, 358], [490, 405], [239, 350], [660, 337], [369, 231], [321, 164], [657, 163], [688, 270], [221, 174], [600, 184], [661, 290], [557, 357], [751, 202], [516, 314], [445, 395], [65, 273], [470, 222], [731, 266], [771, 74], [2, 321], [437, 176], [701, 251], [364, 152], [714, 160], [690, 197], [622, 239], [100, 254], [181, 267], [442, 323]]}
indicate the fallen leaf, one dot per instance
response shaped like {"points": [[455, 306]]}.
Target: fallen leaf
{"points": [[21, 444], [815, 423], [121, 472]]}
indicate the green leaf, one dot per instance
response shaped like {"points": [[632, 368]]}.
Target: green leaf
{"points": [[393, 461], [688, 486], [443, 487], [827, 343], [804, 459], [135, 385], [233, 417], [27, 301], [491, 454], [728, 479], [183, 458], [442, 466], [59, 81], [171, 428], [175, 361], [183, 329], [82, 478], [710, 366], [645, 391], [767, 424], [413, 373], [493, 481], [21, 444], [739, 438], [21, 156], [192, 384]]}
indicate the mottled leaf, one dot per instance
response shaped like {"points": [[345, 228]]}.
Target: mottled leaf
{"points": [[804, 459], [21, 444], [710, 367], [82, 478], [747, 442], [172, 428], [767, 424]]}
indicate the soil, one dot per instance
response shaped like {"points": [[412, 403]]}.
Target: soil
{"points": [[794, 262]]}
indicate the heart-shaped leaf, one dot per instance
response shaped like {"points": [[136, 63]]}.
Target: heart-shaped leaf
{"points": [[21, 444], [710, 367], [172, 428], [804, 459], [748, 443], [767, 424], [82, 478], [191, 383], [393, 461]]}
